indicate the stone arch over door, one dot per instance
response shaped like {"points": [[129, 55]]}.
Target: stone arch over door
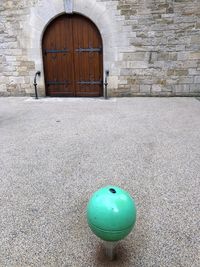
{"points": [[46, 11]]}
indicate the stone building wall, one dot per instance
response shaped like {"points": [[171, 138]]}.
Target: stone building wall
{"points": [[151, 47]]}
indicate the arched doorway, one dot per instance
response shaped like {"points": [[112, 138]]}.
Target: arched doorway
{"points": [[73, 57]]}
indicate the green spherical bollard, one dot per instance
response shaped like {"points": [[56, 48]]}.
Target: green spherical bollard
{"points": [[111, 213]]}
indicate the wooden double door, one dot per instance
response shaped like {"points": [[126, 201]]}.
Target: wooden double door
{"points": [[73, 57]]}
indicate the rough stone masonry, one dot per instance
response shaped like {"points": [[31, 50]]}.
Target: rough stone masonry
{"points": [[151, 47]]}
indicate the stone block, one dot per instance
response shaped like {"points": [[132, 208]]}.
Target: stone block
{"points": [[4, 80], [197, 79], [134, 88], [167, 89], [16, 80], [122, 82], [180, 72], [172, 80], [194, 55], [195, 39], [173, 56], [183, 55], [181, 88], [27, 80], [145, 88], [195, 88], [113, 81], [156, 88], [180, 48], [193, 71], [185, 80], [135, 56], [3, 88], [189, 64], [162, 56], [137, 64]]}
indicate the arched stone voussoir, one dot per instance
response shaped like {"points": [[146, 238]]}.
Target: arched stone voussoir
{"points": [[99, 15]]}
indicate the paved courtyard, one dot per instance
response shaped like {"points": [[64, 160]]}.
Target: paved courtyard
{"points": [[54, 153]]}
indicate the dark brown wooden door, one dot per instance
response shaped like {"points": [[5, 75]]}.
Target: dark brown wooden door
{"points": [[73, 58]]}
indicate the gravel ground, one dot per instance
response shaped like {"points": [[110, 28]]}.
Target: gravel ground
{"points": [[55, 152]]}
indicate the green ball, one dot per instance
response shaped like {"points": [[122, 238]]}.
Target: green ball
{"points": [[111, 213]]}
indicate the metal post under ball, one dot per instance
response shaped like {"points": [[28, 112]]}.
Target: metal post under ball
{"points": [[110, 249], [111, 215]]}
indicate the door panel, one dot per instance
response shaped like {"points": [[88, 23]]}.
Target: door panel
{"points": [[88, 54], [72, 54]]}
